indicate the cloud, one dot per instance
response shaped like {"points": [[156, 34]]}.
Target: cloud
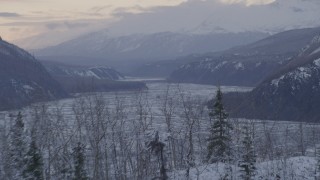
{"points": [[215, 16], [9, 14], [15, 29], [97, 9], [190, 16], [297, 9], [20, 23], [68, 25], [120, 12], [248, 2]]}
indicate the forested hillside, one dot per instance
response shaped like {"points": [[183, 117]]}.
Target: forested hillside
{"points": [[23, 80]]}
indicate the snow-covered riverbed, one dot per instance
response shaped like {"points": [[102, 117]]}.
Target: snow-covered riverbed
{"points": [[127, 120]]}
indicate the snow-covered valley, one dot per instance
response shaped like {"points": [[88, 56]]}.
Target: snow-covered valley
{"points": [[116, 129]]}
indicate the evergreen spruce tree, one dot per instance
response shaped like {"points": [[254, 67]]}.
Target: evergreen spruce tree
{"points": [[79, 163], [17, 148], [34, 162], [220, 139], [248, 157]]}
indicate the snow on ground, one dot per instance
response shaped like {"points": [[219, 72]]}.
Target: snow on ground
{"points": [[315, 51], [317, 62], [298, 168], [238, 66], [275, 82], [128, 78]]}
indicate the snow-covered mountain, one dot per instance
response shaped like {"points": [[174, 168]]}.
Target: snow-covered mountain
{"points": [[23, 79], [229, 70], [246, 65], [191, 16], [293, 93], [273, 17], [149, 47], [98, 72], [79, 79]]}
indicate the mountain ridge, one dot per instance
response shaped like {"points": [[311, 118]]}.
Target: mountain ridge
{"points": [[245, 65], [151, 47], [293, 93], [23, 80]]}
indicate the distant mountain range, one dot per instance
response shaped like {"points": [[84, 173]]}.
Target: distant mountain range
{"points": [[141, 49], [192, 17], [23, 80], [245, 65], [292, 93]]}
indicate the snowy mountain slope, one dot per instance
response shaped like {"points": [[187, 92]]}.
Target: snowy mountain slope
{"points": [[229, 70], [81, 79], [150, 47], [98, 72], [292, 93], [245, 65], [290, 41], [23, 79]]}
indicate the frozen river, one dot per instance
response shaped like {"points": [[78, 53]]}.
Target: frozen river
{"points": [[155, 91]]}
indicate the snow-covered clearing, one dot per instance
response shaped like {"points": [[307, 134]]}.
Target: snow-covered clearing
{"points": [[297, 168]]}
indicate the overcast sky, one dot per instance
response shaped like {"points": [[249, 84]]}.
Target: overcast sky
{"points": [[23, 18], [65, 19]]}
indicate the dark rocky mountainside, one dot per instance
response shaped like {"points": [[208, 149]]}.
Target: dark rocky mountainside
{"points": [[80, 79], [23, 80], [246, 65], [234, 70], [292, 93]]}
